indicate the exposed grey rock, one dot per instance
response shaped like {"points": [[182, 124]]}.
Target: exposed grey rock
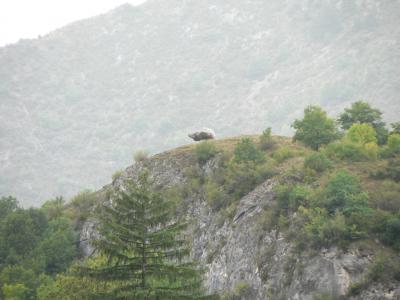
{"points": [[234, 250]]}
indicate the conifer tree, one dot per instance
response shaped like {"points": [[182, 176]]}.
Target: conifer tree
{"points": [[146, 251]]}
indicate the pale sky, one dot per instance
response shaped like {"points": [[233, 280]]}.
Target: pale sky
{"points": [[30, 18]]}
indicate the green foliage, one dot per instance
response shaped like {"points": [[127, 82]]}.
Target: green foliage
{"points": [[140, 156], [343, 193], [246, 151], [205, 150], [116, 175], [391, 234], [320, 230], [21, 231], [315, 129], [81, 207], [395, 128], [57, 246], [215, 195], [143, 247], [346, 151], [16, 282], [242, 177], [7, 205], [282, 154], [16, 291], [266, 141], [391, 171], [394, 143], [69, 287], [54, 208], [317, 162], [362, 134], [289, 197], [361, 112], [386, 196]]}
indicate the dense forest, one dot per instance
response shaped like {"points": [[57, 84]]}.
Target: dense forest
{"points": [[337, 185]]}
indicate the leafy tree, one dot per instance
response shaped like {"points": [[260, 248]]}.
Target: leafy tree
{"points": [[58, 246], [362, 133], [144, 247], [7, 205], [16, 291], [362, 112], [315, 129], [18, 282], [21, 231], [343, 192], [246, 151]]}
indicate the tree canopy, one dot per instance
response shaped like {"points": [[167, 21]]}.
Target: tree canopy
{"points": [[315, 129], [361, 112]]}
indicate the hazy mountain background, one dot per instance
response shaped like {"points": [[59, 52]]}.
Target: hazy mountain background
{"points": [[76, 103]]}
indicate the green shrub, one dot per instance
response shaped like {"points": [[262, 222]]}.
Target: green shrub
{"points": [[283, 154], [246, 151], [242, 177], [321, 230], [393, 146], [81, 206], [391, 235], [289, 198], [317, 162], [348, 151], [386, 196], [343, 192], [384, 268], [204, 151], [215, 195], [116, 175], [391, 171], [266, 141], [140, 156]]}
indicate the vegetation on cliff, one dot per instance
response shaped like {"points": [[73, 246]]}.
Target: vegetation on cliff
{"points": [[343, 193]]}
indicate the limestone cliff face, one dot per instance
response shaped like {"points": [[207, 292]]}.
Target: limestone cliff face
{"points": [[236, 251]]}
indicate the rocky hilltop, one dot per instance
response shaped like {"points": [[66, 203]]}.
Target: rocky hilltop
{"points": [[246, 254], [76, 103]]}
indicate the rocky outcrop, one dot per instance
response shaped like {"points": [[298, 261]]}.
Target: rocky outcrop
{"points": [[236, 251]]}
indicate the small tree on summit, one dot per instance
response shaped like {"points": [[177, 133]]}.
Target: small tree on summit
{"points": [[315, 129], [144, 248], [361, 112]]}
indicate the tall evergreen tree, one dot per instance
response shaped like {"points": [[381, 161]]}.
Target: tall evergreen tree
{"points": [[146, 251]]}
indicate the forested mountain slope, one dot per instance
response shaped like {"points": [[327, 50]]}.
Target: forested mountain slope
{"points": [[77, 102]]}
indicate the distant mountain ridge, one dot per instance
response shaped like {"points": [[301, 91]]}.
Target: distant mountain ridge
{"points": [[76, 104]]}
